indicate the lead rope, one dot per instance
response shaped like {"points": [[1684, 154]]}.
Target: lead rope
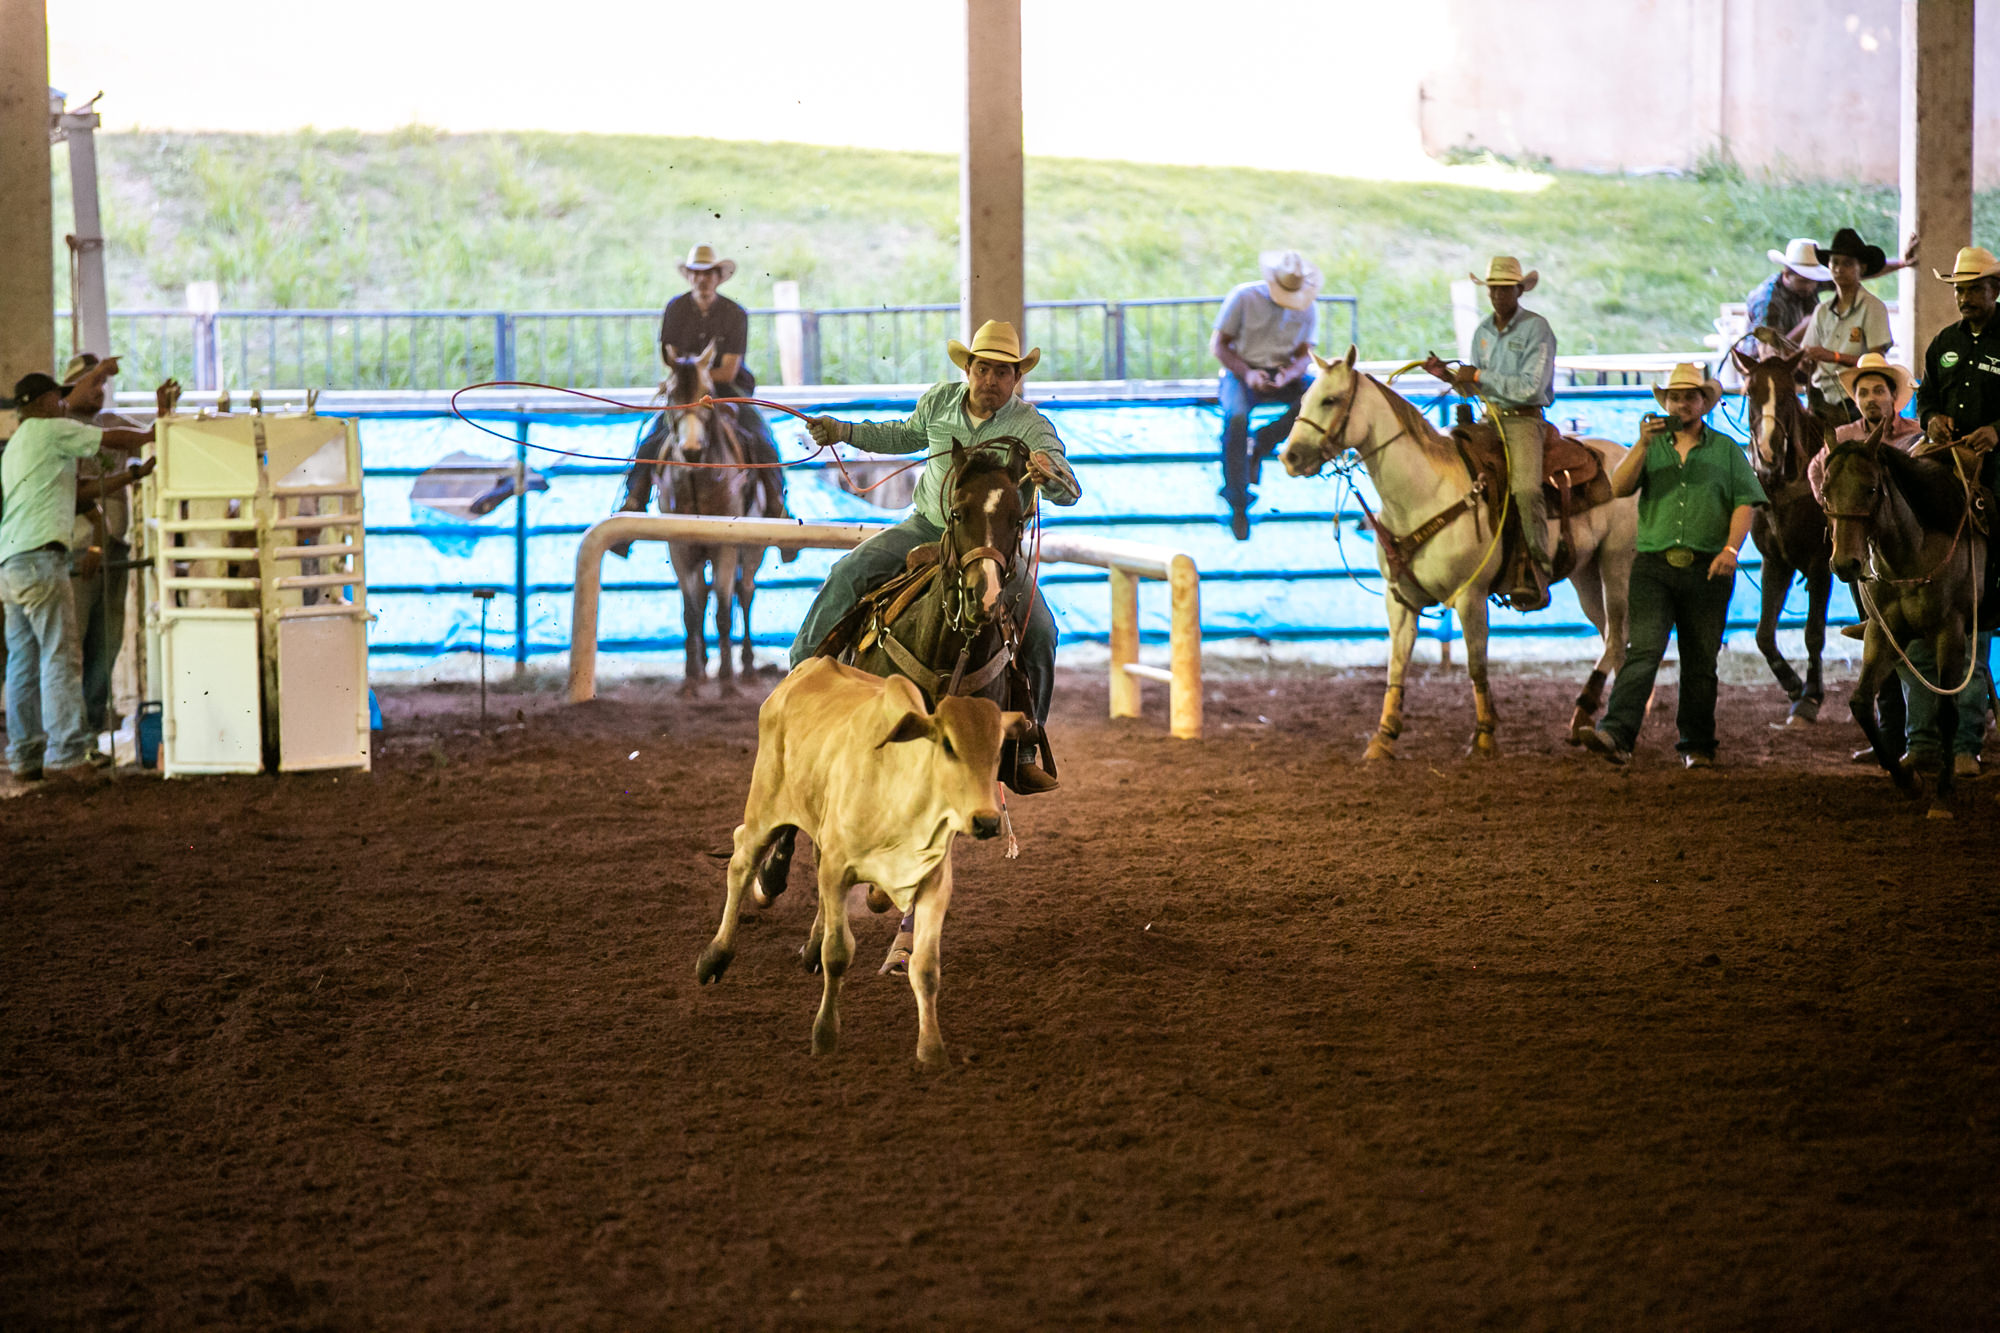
{"points": [[1978, 577]]}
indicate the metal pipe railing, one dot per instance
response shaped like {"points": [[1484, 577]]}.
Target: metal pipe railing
{"points": [[1128, 562]]}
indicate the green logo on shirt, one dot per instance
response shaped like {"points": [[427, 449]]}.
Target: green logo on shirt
{"points": [[1948, 360]]}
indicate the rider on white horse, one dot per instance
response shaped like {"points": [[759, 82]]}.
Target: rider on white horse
{"points": [[1513, 369]]}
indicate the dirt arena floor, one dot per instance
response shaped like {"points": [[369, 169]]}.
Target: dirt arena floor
{"points": [[1250, 1036]]}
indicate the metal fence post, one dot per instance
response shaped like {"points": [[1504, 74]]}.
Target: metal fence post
{"points": [[1114, 322], [520, 543], [809, 319], [503, 348]]}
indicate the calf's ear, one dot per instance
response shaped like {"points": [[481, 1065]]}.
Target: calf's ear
{"points": [[1015, 725], [903, 715]]}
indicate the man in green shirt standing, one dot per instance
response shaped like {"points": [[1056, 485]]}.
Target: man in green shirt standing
{"points": [[1696, 491], [44, 650], [975, 412]]}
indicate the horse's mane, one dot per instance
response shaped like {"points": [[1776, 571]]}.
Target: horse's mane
{"points": [[1407, 413], [1930, 486]]}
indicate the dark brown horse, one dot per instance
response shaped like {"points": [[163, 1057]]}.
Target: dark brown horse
{"points": [[691, 482], [1791, 531], [950, 623], [1903, 536]]}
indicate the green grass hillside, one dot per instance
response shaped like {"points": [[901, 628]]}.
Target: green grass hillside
{"points": [[525, 221]]}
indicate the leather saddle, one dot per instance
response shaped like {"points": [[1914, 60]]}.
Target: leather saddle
{"points": [[1573, 481]]}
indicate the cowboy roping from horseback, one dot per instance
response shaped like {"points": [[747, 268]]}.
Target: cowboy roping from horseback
{"points": [[968, 429]]}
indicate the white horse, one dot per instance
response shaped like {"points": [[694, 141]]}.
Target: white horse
{"points": [[1420, 476]]}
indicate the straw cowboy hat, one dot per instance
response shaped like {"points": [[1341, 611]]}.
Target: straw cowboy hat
{"points": [[703, 258], [1687, 375], [1848, 242], [1974, 262], [1801, 256], [995, 341], [1874, 363], [1505, 271], [1293, 282]]}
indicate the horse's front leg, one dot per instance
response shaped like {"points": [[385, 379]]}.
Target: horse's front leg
{"points": [[725, 601], [1951, 650], [691, 571], [1877, 656], [746, 589], [1819, 591], [1402, 642], [1472, 620], [1776, 583]]}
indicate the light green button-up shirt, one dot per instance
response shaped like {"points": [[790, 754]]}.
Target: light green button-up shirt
{"points": [[38, 482], [1516, 368], [940, 420], [1689, 503]]}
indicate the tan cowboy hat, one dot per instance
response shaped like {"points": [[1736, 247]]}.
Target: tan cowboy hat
{"points": [[1802, 257], [703, 258], [1505, 271], [1974, 262], [1687, 375], [995, 341], [1293, 282], [1874, 363]]}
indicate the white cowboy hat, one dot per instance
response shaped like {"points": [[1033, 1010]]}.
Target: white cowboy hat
{"points": [[1505, 271], [1802, 257], [1293, 282], [1974, 262], [995, 341], [1874, 363], [703, 258], [1687, 375]]}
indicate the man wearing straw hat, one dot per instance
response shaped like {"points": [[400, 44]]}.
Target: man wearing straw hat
{"points": [[976, 412], [1880, 391], [1696, 491], [691, 321], [1513, 370], [1263, 338], [1785, 301]]}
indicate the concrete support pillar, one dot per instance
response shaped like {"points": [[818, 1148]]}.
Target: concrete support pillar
{"points": [[1936, 162], [27, 238], [991, 254]]}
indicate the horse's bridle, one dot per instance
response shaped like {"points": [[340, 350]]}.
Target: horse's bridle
{"points": [[1871, 448], [1333, 439], [954, 560]]}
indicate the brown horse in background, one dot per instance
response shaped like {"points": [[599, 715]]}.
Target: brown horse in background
{"points": [[703, 473], [1791, 531]]}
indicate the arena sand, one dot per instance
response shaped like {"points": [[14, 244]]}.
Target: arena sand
{"points": [[1251, 1036]]}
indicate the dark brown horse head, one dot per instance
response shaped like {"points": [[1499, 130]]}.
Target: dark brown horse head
{"points": [[984, 516], [1852, 493], [1782, 434]]}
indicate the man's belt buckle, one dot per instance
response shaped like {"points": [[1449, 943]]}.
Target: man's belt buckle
{"points": [[1680, 557]]}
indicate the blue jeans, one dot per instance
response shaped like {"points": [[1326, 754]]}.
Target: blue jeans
{"points": [[1241, 463], [44, 664], [1924, 740]]}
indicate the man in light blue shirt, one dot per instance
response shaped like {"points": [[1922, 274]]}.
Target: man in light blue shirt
{"points": [[1513, 370], [982, 408], [1263, 338], [37, 518]]}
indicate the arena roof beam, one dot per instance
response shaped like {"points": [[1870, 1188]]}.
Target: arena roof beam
{"points": [[1936, 175], [27, 228], [991, 245]]}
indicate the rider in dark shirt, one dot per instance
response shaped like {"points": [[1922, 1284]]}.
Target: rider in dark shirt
{"points": [[690, 322], [1958, 399]]}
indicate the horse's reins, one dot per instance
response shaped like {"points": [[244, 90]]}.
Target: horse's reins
{"points": [[1861, 585]]}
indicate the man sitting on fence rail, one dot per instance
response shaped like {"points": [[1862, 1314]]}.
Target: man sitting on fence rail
{"points": [[982, 409], [697, 317], [1263, 338]]}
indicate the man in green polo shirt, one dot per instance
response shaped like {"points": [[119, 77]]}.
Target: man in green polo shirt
{"points": [[982, 408], [44, 650], [1696, 491]]}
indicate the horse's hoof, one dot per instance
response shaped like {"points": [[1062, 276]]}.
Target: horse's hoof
{"points": [[690, 688], [1485, 747], [711, 965], [1939, 810], [1805, 710]]}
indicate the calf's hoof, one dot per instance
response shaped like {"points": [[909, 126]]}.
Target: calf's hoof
{"points": [[809, 956], [930, 1054], [826, 1036], [712, 964], [1939, 810], [1484, 746], [1379, 748]]}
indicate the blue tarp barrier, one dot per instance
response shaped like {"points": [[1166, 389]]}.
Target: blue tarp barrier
{"points": [[1149, 473]]}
